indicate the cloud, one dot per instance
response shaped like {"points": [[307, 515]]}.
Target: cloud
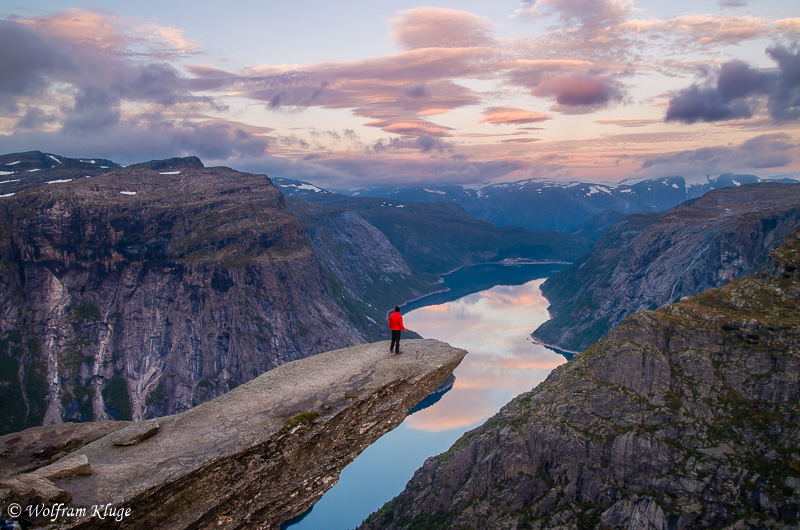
{"points": [[626, 123], [737, 89], [512, 115], [95, 109], [27, 61], [784, 101], [393, 164], [705, 104], [410, 127], [761, 152], [426, 142], [408, 84], [93, 28], [580, 90], [427, 27], [701, 31], [142, 137], [790, 26], [88, 57], [594, 17], [34, 118]]}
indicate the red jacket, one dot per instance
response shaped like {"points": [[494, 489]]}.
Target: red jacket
{"points": [[396, 321]]}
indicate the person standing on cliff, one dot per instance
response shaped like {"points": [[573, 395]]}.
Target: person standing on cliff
{"points": [[396, 325]]}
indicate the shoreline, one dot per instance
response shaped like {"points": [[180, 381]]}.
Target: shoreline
{"points": [[554, 347], [508, 262]]}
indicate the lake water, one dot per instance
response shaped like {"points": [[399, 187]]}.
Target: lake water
{"points": [[494, 326]]}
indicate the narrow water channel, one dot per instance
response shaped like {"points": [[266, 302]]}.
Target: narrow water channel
{"points": [[494, 326]]}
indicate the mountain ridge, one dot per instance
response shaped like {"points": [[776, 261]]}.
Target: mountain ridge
{"points": [[650, 259]]}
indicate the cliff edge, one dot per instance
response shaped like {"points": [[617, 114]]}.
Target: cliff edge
{"points": [[254, 457]]}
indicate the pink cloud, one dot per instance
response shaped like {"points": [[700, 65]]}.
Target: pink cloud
{"points": [[580, 90], [512, 115], [520, 140], [97, 28], [426, 27], [410, 127], [702, 29], [627, 123]]}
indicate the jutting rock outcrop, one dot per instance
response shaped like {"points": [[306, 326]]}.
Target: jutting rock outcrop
{"points": [[650, 259], [682, 417], [252, 458]]}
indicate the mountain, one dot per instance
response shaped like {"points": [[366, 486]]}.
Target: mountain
{"points": [[367, 274], [435, 238], [539, 204], [650, 259], [135, 292], [140, 292], [19, 171], [682, 417]]}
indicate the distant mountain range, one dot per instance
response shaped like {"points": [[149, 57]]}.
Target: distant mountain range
{"points": [[538, 204]]}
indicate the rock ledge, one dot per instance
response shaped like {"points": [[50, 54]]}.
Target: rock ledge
{"points": [[262, 453]]}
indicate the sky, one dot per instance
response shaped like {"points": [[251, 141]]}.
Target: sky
{"points": [[356, 94]]}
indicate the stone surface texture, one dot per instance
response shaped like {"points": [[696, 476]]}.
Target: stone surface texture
{"points": [[260, 454]]}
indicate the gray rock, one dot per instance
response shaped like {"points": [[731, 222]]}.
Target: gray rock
{"points": [[135, 433], [265, 451]]}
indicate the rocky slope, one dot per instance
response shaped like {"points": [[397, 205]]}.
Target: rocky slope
{"points": [[650, 259], [683, 417], [253, 458], [142, 292]]}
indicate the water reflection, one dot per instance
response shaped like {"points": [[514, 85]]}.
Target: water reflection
{"points": [[494, 326]]}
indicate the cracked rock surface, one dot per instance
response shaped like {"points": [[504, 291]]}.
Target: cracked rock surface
{"points": [[264, 452]]}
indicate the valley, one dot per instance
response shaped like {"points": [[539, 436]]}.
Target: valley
{"points": [[142, 291], [149, 291]]}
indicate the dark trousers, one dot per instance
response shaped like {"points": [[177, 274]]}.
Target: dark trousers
{"points": [[395, 340]]}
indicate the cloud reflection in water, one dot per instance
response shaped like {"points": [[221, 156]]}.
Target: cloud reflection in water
{"points": [[494, 326]]}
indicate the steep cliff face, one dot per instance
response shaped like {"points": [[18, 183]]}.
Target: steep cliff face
{"points": [[683, 417], [141, 292], [651, 259], [368, 274]]}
